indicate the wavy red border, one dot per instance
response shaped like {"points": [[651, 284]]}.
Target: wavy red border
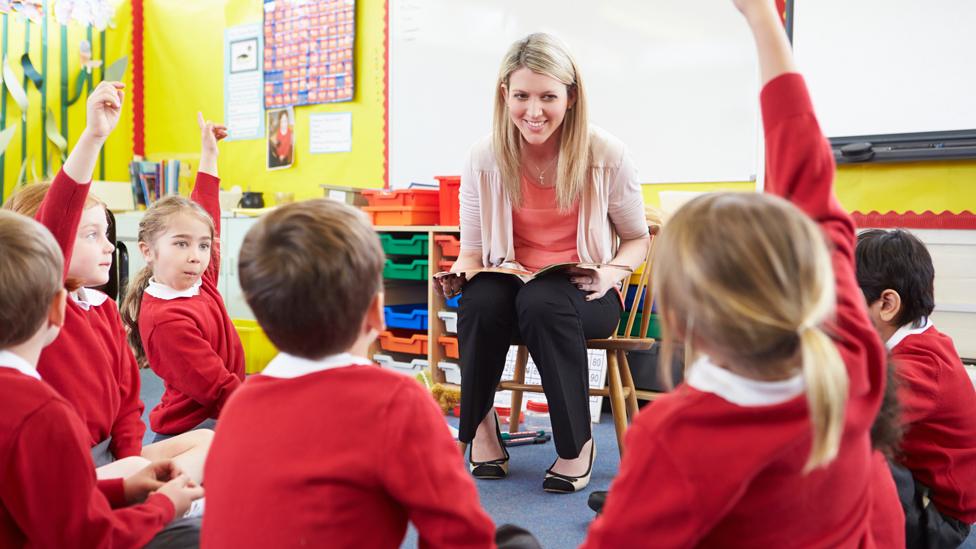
{"points": [[913, 220], [138, 104]]}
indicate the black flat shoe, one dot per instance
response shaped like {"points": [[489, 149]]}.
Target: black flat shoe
{"points": [[596, 501], [563, 484], [493, 469]]}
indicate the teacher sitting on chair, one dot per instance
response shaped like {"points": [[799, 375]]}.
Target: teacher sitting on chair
{"points": [[545, 187]]}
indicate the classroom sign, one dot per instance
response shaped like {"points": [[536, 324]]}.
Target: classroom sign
{"points": [[308, 52]]}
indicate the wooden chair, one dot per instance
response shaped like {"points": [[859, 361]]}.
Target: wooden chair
{"points": [[621, 390]]}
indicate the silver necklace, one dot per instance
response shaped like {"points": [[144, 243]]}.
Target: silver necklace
{"points": [[541, 174]]}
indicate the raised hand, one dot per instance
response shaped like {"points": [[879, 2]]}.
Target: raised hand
{"points": [[104, 108]]}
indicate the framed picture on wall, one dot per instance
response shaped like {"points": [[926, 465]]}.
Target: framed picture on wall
{"points": [[244, 55], [281, 138]]}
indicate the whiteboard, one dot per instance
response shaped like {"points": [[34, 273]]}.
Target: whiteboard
{"points": [[888, 66], [676, 81]]}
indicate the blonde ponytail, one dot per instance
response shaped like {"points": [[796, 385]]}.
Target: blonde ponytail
{"points": [[826, 381], [130, 313]]}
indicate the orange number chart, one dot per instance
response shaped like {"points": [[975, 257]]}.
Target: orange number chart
{"points": [[308, 51]]}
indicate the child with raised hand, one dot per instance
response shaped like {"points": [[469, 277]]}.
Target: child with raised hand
{"points": [[49, 496], [103, 381], [767, 442], [357, 450], [177, 320], [936, 468]]}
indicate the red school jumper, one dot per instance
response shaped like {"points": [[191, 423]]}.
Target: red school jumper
{"points": [[48, 493], [702, 471], [939, 413], [90, 364], [337, 456], [190, 341]]}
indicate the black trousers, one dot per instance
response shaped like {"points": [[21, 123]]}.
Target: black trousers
{"points": [[925, 526], [552, 318]]}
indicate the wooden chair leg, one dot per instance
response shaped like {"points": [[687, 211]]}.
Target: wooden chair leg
{"points": [[617, 404], [521, 361], [628, 382]]}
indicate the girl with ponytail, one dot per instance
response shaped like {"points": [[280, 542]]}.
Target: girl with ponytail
{"points": [[177, 321], [767, 443]]}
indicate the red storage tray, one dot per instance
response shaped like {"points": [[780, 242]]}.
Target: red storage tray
{"points": [[445, 265], [450, 245], [450, 345], [401, 215], [422, 198], [415, 344], [450, 187]]}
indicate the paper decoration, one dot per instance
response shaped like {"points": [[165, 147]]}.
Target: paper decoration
{"points": [[308, 51], [32, 10], [93, 13], [281, 138], [6, 136], [116, 71], [14, 87], [51, 130], [243, 79], [85, 56], [330, 132], [30, 72]]}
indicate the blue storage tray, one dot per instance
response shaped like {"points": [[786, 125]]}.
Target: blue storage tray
{"points": [[410, 317], [629, 300], [453, 302]]}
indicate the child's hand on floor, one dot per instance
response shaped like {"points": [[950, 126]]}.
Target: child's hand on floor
{"points": [[181, 491], [149, 479], [104, 108]]}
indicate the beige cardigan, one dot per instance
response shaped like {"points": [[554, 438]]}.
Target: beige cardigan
{"points": [[612, 206]]}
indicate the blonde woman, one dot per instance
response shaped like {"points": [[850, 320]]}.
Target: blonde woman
{"points": [[545, 187], [767, 442]]}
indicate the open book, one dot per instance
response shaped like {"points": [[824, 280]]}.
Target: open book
{"points": [[515, 269]]}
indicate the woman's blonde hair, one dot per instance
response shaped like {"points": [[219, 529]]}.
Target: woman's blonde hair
{"points": [[543, 54], [152, 226], [749, 278]]}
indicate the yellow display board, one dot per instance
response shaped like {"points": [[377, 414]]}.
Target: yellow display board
{"points": [[184, 74], [118, 149]]}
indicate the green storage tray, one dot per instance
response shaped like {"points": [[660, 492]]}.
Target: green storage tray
{"points": [[409, 270], [653, 327], [415, 244]]}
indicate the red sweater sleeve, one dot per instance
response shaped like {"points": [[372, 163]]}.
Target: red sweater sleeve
{"points": [[114, 491], [800, 167], [668, 513], [128, 428], [206, 192], [50, 490], [61, 210], [181, 355], [423, 473]]}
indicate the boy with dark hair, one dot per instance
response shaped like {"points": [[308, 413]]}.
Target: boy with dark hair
{"points": [[936, 470], [355, 451]]}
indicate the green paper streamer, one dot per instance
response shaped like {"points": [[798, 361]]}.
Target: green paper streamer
{"points": [[6, 136], [14, 87], [30, 72], [83, 77], [21, 177], [116, 71], [51, 129]]}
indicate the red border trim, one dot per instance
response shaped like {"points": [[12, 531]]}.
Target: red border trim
{"points": [[386, 95], [913, 220], [138, 103]]}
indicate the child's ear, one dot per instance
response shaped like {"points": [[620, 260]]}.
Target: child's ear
{"points": [[375, 319], [146, 251], [55, 312], [890, 303]]}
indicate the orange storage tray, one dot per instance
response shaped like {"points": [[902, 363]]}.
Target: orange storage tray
{"points": [[450, 245], [415, 344], [450, 187], [450, 345], [421, 198], [400, 215], [445, 265]]}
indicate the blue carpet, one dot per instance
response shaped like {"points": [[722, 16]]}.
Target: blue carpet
{"points": [[558, 521]]}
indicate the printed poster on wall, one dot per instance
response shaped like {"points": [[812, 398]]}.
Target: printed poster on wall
{"points": [[243, 98], [281, 138], [308, 51]]}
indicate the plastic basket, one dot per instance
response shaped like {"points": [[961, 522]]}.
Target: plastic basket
{"points": [[452, 372], [415, 344], [258, 349], [453, 302], [415, 244], [411, 368], [415, 269], [450, 321], [450, 187], [450, 344], [450, 245], [407, 317], [423, 198], [653, 327], [445, 265], [629, 300], [399, 216]]}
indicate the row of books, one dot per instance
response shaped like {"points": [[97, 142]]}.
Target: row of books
{"points": [[153, 180]]}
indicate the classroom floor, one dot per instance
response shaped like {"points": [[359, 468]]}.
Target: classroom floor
{"points": [[558, 521]]}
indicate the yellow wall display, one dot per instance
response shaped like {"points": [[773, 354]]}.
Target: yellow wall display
{"points": [[184, 74], [118, 149]]}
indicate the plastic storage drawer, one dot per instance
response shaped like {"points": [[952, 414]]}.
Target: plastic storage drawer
{"points": [[408, 317]]}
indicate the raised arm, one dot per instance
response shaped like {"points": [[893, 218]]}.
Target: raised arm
{"points": [[206, 189], [61, 208]]}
